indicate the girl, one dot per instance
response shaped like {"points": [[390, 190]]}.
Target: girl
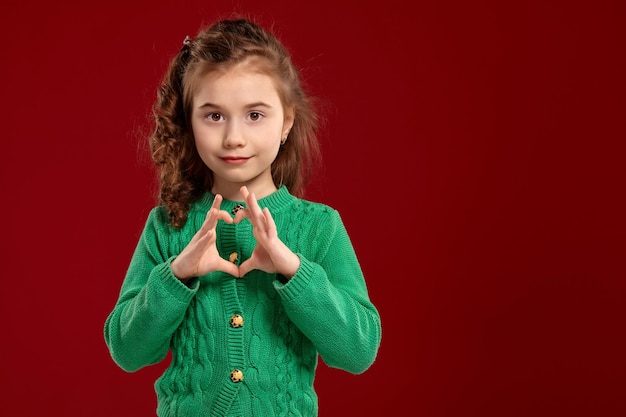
{"points": [[243, 281]]}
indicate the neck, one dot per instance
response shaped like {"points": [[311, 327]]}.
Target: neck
{"points": [[231, 191]]}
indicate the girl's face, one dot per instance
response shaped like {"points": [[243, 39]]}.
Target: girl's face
{"points": [[238, 123]]}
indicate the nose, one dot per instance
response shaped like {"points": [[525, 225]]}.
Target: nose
{"points": [[234, 137]]}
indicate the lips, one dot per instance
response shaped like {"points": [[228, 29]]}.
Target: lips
{"points": [[235, 160]]}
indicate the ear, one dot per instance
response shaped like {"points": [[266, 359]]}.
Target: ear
{"points": [[290, 116]]}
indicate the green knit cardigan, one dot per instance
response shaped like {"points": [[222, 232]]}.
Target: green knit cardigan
{"points": [[245, 346]]}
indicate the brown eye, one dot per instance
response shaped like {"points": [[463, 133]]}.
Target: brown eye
{"points": [[255, 117], [215, 117]]}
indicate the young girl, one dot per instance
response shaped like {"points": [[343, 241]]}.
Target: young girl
{"points": [[243, 281]]}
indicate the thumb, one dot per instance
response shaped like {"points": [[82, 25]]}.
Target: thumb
{"points": [[246, 267], [229, 268]]}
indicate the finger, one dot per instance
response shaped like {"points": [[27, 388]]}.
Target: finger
{"points": [[201, 241], [220, 214], [246, 267], [217, 201], [253, 204], [211, 215], [214, 214], [223, 215], [228, 267], [215, 207], [256, 214], [244, 192], [210, 221], [271, 225]]}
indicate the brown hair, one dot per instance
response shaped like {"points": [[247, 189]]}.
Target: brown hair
{"points": [[183, 176]]}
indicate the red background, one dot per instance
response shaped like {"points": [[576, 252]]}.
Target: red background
{"points": [[475, 153]]}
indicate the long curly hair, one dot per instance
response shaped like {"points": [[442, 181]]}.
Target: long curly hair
{"points": [[183, 176]]}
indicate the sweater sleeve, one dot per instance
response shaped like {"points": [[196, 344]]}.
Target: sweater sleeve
{"points": [[151, 305], [328, 300]]}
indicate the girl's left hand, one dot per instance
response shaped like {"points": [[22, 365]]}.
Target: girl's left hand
{"points": [[270, 254]]}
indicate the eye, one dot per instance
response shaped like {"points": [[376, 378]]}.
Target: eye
{"points": [[215, 117], [255, 116]]}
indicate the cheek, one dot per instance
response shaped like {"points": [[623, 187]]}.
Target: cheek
{"points": [[271, 148], [271, 137], [206, 150], [204, 139]]}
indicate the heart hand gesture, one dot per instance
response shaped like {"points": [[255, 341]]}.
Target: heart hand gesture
{"points": [[201, 257]]}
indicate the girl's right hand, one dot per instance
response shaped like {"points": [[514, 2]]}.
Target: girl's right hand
{"points": [[200, 256]]}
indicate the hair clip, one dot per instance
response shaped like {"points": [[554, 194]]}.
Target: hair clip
{"points": [[186, 45]]}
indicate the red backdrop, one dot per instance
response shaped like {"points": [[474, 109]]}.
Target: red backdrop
{"points": [[473, 149]]}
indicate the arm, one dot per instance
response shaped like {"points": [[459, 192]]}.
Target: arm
{"points": [[152, 302], [154, 298], [327, 299]]}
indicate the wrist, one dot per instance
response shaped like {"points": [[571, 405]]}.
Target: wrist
{"points": [[291, 266], [177, 272]]}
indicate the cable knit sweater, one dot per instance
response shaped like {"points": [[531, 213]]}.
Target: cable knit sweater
{"points": [[245, 346]]}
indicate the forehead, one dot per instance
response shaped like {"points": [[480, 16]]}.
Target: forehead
{"points": [[235, 83]]}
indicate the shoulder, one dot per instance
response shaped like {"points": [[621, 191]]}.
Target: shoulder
{"points": [[158, 222], [318, 227], [318, 215], [313, 208], [158, 216]]}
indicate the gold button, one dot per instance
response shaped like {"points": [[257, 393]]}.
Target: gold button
{"points": [[233, 257], [236, 376], [236, 320]]}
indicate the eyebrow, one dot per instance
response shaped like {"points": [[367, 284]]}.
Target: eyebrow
{"points": [[248, 106]]}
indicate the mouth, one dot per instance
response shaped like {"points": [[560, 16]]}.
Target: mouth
{"points": [[235, 160]]}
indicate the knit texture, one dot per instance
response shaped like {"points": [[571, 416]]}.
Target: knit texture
{"points": [[323, 310]]}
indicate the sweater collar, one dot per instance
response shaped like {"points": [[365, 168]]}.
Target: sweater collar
{"points": [[276, 201]]}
